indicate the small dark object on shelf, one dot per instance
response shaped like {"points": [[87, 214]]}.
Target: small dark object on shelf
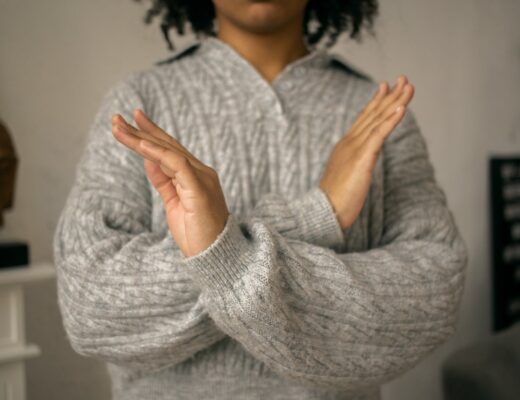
{"points": [[14, 254]]}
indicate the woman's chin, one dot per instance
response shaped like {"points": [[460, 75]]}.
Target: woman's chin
{"points": [[265, 16]]}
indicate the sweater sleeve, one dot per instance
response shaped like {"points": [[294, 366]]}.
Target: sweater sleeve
{"points": [[345, 320], [309, 218], [123, 295]]}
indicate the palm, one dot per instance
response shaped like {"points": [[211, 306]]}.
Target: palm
{"points": [[353, 175], [175, 211]]}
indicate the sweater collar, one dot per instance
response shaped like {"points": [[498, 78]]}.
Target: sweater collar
{"points": [[228, 57], [223, 60], [317, 57]]}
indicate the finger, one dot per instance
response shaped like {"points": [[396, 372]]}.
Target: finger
{"points": [[386, 102], [134, 143], [403, 100], [376, 140], [160, 137], [156, 172], [389, 125], [164, 185], [146, 124], [376, 98], [147, 136], [402, 80], [176, 165], [129, 140], [125, 126]]}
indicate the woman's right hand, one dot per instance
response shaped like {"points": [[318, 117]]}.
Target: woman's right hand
{"points": [[348, 173]]}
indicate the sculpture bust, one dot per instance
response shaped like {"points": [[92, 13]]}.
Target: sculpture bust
{"points": [[8, 166]]}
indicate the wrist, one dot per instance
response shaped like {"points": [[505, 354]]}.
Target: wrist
{"points": [[316, 218]]}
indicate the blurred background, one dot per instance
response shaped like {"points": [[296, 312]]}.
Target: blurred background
{"points": [[58, 58]]}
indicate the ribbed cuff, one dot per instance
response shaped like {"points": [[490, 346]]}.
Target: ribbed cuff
{"points": [[223, 261], [316, 219]]}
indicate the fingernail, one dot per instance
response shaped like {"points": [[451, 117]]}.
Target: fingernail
{"points": [[118, 129], [122, 128]]}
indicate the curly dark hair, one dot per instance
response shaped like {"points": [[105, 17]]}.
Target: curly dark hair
{"points": [[332, 16]]}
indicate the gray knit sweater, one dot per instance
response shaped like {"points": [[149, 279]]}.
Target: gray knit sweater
{"points": [[283, 304]]}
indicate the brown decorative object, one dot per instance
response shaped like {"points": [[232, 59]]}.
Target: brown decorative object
{"points": [[13, 253], [8, 167]]}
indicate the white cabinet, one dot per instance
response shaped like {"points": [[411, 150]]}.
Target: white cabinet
{"points": [[13, 348]]}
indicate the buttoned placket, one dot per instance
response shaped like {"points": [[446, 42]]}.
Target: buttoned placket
{"points": [[269, 95], [268, 100]]}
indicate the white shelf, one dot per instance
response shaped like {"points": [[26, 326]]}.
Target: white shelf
{"points": [[25, 274], [10, 354], [14, 350]]}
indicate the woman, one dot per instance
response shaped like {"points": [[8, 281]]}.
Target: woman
{"points": [[255, 218]]}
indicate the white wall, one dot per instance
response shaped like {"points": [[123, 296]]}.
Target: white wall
{"points": [[57, 58]]}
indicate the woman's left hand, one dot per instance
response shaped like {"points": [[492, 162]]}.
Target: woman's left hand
{"points": [[192, 196]]}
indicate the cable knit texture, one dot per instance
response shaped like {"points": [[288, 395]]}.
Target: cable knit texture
{"points": [[284, 304]]}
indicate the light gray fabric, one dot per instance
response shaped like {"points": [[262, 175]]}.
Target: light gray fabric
{"points": [[283, 304]]}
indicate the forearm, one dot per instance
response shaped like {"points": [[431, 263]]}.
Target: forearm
{"points": [[349, 320], [343, 320], [309, 218]]}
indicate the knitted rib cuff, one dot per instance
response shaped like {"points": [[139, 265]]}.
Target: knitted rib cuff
{"points": [[223, 261], [317, 220]]}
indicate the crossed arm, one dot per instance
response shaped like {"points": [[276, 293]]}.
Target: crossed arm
{"points": [[314, 315], [123, 295]]}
